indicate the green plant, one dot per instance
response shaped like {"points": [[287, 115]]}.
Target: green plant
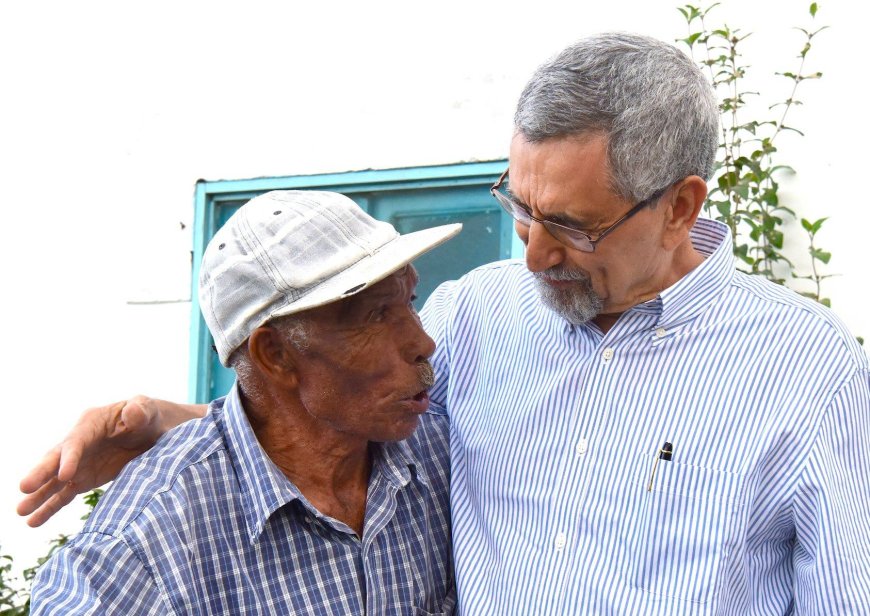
{"points": [[14, 593], [746, 195], [13, 601]]}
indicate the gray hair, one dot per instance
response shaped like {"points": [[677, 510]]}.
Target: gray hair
{"points": [[653, 103], [293, 329]]}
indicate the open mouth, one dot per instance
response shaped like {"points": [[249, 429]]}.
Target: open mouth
{"points": [[419, 402]]}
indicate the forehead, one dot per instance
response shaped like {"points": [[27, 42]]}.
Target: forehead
{"points": [[394, 287], [575, 160], [561, 172]]}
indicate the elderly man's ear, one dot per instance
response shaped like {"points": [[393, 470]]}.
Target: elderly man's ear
{"points": [[273, 356]]}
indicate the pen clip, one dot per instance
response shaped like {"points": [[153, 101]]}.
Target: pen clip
{"points": [[665, 453]]}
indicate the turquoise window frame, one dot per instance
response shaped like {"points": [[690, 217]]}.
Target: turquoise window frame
{"points": [[210, 195]]}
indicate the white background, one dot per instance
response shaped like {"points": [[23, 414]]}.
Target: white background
{"points": [[110, 112]]}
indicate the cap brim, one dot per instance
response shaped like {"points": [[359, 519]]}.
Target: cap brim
{"points": [[368, 271]]}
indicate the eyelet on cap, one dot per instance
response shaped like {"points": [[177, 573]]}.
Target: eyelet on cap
{"points": [[352, 289], [221, 247], [276, 212]]}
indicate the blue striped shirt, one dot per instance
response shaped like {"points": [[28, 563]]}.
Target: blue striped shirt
{"points": [[561, 502], [205, 523]]}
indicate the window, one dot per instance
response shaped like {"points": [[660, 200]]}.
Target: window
{"points": [[409, 199]]}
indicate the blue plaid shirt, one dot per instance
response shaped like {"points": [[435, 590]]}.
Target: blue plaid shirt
{"points": [[205, 523]]}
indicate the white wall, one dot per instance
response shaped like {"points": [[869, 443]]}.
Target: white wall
{"points": [[109, 113]]}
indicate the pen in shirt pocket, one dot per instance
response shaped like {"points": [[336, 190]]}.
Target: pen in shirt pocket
{"points": [[665, 453]]}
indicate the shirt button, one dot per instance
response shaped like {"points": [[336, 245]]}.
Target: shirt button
{"points": [[607, 354], [660, 332], [581, 446], [560, 542]]}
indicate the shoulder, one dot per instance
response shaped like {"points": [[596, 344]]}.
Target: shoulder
{"points": [[96, 573], [183, 463], [497, 277], [793, 316], [493, 284]]}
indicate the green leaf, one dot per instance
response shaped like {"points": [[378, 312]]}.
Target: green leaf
{"points": [[784, 127], [813, 8], [690, 40], [826, 302], [821, 255], [770, 197], [775, 238], [813, 227]]}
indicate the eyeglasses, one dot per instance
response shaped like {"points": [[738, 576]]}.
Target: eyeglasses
{"points": [[571, 237]]}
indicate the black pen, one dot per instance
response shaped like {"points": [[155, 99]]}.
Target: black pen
{"points": [[665, 453]]}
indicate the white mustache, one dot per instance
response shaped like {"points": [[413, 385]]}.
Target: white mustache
{"points": [[563, 273]]}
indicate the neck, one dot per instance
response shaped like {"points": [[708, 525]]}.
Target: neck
{"points": [[331, 469], [685, 259]]}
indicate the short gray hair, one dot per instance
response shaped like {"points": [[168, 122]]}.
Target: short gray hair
{"points": [[293, 329], [652, 102]]}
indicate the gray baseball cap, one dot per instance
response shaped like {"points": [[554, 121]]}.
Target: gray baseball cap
{"points": [[287, 251]]}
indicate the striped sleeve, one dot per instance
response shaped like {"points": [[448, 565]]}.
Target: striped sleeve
{"points": [[96, 574], [435, 317], [832, 515]]}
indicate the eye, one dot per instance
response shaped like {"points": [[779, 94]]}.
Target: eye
{"points": [[377, 315]]}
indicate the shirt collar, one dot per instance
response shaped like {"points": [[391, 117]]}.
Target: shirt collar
{"points": [[399, 463], [693, 292], [690, 294], [265, 489]]}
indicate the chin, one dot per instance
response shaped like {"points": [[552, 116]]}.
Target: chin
{"points": [[398, 432]]}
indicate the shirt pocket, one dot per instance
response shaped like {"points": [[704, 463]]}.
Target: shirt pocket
{"points": [[678, 532]]}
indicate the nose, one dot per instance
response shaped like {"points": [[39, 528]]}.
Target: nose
{"points": [[420, 345], [543, 251]]}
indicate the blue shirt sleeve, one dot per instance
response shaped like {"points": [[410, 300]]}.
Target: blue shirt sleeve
{"points": [[436, 316], [831, 558], [96, 574]]}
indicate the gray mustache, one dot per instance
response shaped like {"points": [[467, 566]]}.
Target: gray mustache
{"points": [[560, 272], [426, 374]]}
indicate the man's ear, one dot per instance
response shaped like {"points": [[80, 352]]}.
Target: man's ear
{"points": [[272, 355], [684, 206]]}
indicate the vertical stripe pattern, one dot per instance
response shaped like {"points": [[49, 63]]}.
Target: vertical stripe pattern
{"points": [[561, 503]]}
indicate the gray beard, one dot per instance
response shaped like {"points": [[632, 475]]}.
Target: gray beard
{"points": [[578, 303]]}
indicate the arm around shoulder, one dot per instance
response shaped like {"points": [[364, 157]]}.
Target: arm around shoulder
{"points": [[102, 441]]}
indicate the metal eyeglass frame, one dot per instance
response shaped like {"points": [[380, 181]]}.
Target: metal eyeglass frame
{"points": [[570, 236]]}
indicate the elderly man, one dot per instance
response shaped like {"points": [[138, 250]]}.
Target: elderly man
{"points": [[636, 427], [297, 493]]}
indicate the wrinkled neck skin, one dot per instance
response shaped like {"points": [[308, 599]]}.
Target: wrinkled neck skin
{"points": [[330, 469]]}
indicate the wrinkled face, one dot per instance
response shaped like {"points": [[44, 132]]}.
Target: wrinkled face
{"points": [[566, 180], [365, 371]]}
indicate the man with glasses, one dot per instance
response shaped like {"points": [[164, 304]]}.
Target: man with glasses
{"points": [[636, 428]]}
